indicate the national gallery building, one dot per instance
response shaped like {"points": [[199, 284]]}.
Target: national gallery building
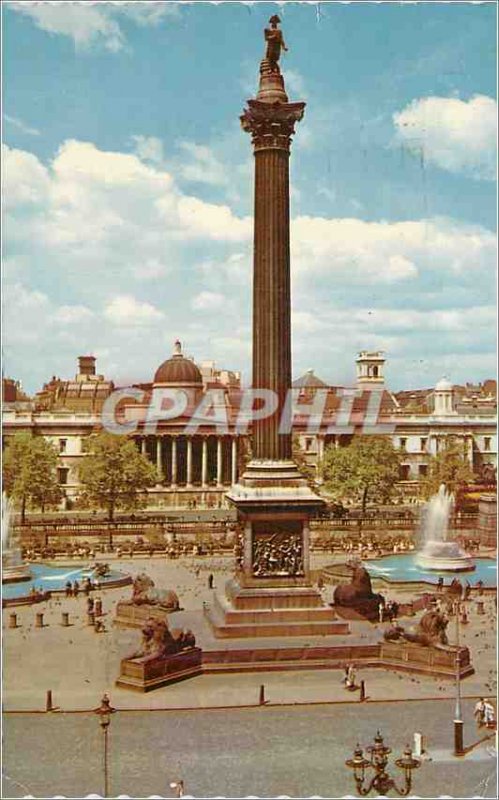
{"points": [[198, 467]]}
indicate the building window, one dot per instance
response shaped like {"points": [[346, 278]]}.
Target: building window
{"points": [[404, 472], [422, 443], [403, 443], [62, 474], [486, 443], [308, 444], [423, 470], [62, 445]]}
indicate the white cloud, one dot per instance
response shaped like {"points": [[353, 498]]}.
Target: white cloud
{"points": [[202, 166], [89, 24], [70, 315], [208, 301], [126, 311], [456, 135], [387, 252], [149, 148], [21, 126], [92, 224], [85, 23]]}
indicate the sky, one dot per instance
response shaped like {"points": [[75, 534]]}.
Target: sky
{"points": [[128, 186]]}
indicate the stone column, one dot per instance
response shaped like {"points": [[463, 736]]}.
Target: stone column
{"points": [[270, 119], [174, 461], [189, 461], [143, 446], [159, 464], [204, 463], [219, 461], [233, 476]]}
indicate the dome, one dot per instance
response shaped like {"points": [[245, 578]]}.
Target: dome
{"points": [[443, 386], [178, 370]]}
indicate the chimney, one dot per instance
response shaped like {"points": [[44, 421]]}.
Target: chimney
{"points": [[86, 365]]}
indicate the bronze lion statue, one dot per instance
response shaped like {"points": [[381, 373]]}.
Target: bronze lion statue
{"points": [[429, 632], [145, 593]]}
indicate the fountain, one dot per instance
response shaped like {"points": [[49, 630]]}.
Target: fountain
{"points": [[437, 553], [13, 568]]}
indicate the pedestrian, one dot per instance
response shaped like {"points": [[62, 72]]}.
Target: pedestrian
{"points": [[69, 589], [488, 714], [479, 712], [350, 679], [440, 584], [381, 610], [76, 589], [210, 581], [90, 604], [479, 586]]}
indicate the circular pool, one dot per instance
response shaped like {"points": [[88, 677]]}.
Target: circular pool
{"points": [[51, 578], [405, 569]]}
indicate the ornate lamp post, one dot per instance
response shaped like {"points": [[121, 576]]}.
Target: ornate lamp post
{"points": [[458, 717], [381, 781], [104, 711]]}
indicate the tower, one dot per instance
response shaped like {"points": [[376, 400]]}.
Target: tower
{"points": [[370, 367], [443, 397], [271, 593]]}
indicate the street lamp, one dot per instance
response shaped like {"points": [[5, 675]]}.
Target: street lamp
{"points": [[104, 711], [381, 781], [458, 717]]}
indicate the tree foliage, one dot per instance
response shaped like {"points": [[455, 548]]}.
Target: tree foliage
{"points": [[114, 474], [30, 472], [366, 470], [449, 467]]}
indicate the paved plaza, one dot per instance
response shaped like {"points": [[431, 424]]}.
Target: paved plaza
{"points": [[78, 664]]}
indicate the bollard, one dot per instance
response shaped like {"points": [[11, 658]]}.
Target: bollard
{"points": [[479, 607], [13, 620], [48, 701], [91, 618], [98, 608], [419, 744], [39, 620], [362, 695], [261, 700], [65, 619]]}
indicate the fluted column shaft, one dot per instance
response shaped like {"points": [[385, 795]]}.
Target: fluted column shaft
{"points": [[204, 463], [174, 461], [233, 474], [189, 461], [219, 462], [159, 463], [271, 296]]}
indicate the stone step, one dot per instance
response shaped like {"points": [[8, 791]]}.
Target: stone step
{"points": [[272, 615], [222, 629]]}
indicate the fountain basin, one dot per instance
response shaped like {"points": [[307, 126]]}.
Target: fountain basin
{"points": [[53, 579], [16, 574], [399, 569], [444, 557]]}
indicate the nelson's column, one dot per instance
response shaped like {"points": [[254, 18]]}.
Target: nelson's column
{"points": [[271, 593]]}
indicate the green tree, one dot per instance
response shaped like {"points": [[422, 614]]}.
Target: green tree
{"points": [[368, 469], [449, 467], [114, 474], [30, 472]]}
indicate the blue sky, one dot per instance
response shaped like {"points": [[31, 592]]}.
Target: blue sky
{"points": [[128, 186]]}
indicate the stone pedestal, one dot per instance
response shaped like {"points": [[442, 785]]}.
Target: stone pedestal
{"points": [[145, 674], [129, 615]]}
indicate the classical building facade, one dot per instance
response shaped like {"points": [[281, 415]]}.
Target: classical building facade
{"points": [[198, 464]]}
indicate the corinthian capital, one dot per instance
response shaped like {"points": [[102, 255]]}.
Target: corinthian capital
{"points": [[271, 125]]}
